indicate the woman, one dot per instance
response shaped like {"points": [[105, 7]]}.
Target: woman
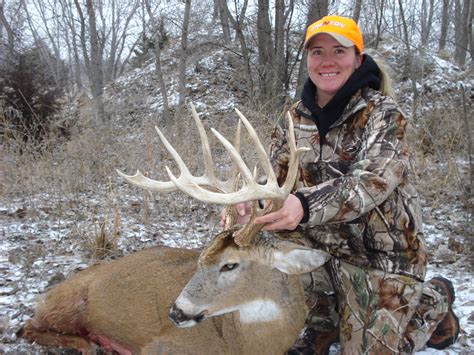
{"points": [[355, 200]]}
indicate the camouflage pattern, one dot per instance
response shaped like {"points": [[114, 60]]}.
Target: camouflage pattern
{"points": [[430, 311], [376, 312], [357, 186]]}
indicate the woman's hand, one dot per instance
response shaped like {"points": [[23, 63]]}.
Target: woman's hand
{"points": [[286, 218], [243, 213]]}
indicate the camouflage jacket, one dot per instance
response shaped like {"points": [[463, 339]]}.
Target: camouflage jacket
{"points": [[360, 204]]}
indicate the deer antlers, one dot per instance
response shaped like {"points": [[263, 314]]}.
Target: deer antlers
{"points": [[208, 188]]}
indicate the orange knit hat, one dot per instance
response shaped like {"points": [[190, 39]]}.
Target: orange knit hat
{"points": [[342, 29]]}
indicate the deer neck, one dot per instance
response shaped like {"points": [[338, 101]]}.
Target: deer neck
{"points": [[272, 324]]}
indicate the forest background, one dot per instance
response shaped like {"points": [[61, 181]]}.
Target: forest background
{"points": [[82, 83]]}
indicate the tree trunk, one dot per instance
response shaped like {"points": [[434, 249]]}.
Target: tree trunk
{"points": [[279, 68], [316, 10], [158, 69], [93, 71], [238, 25], [71, 38], [10, 34], [96, 77], [408, 63], [183, 55], [356, 12], [427, 12], [290, 58], [444, 26], [462, 9], [266, 61], [379, 15], [223, 16], [108, 68], [118, 40], [470, 34]]}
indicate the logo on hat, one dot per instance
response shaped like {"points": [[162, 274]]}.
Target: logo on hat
{"points": [[343, 29]]}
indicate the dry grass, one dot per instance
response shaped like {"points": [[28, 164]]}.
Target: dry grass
{"points": [[103, 242], [77, 171], [439, 149], [88, 160]]}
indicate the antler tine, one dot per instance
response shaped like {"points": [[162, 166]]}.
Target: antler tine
{"points": [[230, 217], [244, 236], [205, 147], [141, 181], [235, 169], [208, 179], [294, 158], [236, 158], [261, 152]]}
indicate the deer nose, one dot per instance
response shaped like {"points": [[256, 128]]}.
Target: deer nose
{"points": [[183, 320], [177, 315]]}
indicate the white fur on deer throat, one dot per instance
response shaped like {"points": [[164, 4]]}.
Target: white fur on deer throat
{"points": [[263, 310], [256, 311]]}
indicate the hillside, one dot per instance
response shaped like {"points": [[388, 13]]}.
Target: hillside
{"points": [[58, 208]]}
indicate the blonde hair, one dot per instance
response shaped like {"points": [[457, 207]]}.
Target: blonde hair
{"points": [[386, 87]]}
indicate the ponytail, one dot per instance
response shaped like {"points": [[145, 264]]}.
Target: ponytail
{"points": [[386, 87]]}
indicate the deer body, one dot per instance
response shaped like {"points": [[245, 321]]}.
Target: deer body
{"points": [[123, 305]]}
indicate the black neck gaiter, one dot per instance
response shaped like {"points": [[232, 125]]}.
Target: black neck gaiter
{"points": [[366, 75]]}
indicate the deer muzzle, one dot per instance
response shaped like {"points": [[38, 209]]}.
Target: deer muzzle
{"points": [[183, 320]]}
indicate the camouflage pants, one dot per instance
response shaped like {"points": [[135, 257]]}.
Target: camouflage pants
{"points": [[376, 312]]}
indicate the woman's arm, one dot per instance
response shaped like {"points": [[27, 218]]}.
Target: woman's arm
{"points": [[382, 166]]}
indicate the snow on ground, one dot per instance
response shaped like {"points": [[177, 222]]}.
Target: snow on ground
{"points": [[40, 245]]}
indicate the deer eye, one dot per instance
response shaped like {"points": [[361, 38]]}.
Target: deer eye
{"points": [[229, 267]]}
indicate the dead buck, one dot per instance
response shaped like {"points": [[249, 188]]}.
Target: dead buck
{"points": [[245, 284]]}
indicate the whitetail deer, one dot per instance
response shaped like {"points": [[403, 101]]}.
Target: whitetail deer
{"points": [[245, 283]]}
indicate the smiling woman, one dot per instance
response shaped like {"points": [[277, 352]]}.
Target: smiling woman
{"points": [[330, 65]]}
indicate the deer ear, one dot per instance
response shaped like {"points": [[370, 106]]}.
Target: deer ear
{"points": [[292, 258]]}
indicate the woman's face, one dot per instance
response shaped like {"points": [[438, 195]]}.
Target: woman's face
{"points": [[330, 65]]}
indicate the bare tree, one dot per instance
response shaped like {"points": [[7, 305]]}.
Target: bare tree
{"points": [[265, 51], [427, 12], [444, 26], [316, 10], [462, 10], [408, 70], [94, 61], [379, 17], [356, 11], [220, 6], [72, 41], [158, 70], [470, 34], [272, 56], [238, 23], [121, 15], [280, 67], [6, 25], [184, 54], [51, 25]]}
